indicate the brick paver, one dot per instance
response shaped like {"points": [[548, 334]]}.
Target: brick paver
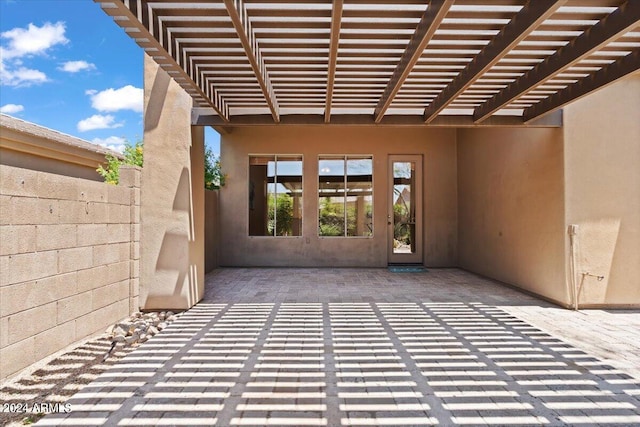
{"points": [[366, 347]]}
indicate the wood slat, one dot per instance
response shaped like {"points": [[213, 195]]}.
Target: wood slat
{"points": [[511, 35], [620, 21], [385, 57], [336, 19], [598, 80], [246, 38], [430, 21]]}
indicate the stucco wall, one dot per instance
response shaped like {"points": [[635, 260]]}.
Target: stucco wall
{"points": [[68, 260], [30, 146], [602, 172], [511, 207], [438, 147], [172, 209], [211, 230], [46, 164]]}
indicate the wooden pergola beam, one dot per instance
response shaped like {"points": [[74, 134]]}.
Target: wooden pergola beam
{"points": [[429, 23], [604, 77], [626, 17], [525, 21], [206, 117], [336, 19], [131, 17], [241, 24]]}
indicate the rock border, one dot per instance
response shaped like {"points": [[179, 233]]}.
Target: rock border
{"points": [[140, 326]]}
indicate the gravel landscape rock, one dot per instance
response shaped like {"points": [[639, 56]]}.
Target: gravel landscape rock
{"points": [[57, 378]]}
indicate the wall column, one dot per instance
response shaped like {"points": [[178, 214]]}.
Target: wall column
{"points": [[602, 180], [130, 177], [172, 197]]}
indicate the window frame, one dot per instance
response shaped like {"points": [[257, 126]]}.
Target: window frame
{"points": [[345, 158], [248, 208]]}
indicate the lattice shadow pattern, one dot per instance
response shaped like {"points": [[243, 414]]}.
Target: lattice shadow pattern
{"points": [[355, 364]]}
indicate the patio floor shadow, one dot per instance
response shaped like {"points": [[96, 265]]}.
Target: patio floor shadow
{"points": [[367, 347]]}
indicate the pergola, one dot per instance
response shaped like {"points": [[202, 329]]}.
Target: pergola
{"points": [[406, 62]]}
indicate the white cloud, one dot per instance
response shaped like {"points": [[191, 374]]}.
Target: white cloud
{"points": [[98, 121], [90, 92], [25, 42], [113, 142], [75, 66], [11, 108], [125, 98], [20, 76], [33, 40]]}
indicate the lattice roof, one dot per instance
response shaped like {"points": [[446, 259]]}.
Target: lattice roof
{"points": [[373, 61]]}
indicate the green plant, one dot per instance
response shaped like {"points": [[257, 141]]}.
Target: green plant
{"points": [[280, 214], [331, 217], [32, 418], [213, 176], [132, 155]]}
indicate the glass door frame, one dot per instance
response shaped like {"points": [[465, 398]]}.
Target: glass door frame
{"points": [[416, 254]]}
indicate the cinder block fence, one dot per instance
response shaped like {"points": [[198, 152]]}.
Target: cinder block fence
{"points": [[69, 260]]}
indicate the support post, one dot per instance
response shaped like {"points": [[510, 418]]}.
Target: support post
{"points": [[172, 197]]}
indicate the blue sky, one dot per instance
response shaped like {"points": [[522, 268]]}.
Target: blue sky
{"points": [[67, 66]]}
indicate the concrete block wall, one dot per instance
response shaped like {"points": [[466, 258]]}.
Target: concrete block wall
{"points": [[130, 177], [69, 260]]}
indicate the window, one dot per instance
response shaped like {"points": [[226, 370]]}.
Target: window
{"points": [[275, 195], [345, 206]]}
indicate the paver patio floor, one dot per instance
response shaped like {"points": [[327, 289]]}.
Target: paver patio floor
{"points": [[366, 347]]}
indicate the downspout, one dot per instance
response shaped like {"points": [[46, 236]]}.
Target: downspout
{"points": [[573, 279]]}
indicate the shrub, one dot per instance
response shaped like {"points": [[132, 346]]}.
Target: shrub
{"points": [[133, 155], [213, 176]]}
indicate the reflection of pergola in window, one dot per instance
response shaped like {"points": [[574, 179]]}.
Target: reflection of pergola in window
{"points": [[356, 186], [266, 186], [357, 189], [293, 185]]}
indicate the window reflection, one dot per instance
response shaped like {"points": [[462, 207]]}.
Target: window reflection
{"points": [[275, 195], [404, 222], [345, 185]]}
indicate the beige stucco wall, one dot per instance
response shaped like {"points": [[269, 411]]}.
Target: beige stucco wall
{"points": [[602, 173], [68, 260], [511, 207], [172, 209], [438, 147], [211, 230], [21, 159], [30, 146]]}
